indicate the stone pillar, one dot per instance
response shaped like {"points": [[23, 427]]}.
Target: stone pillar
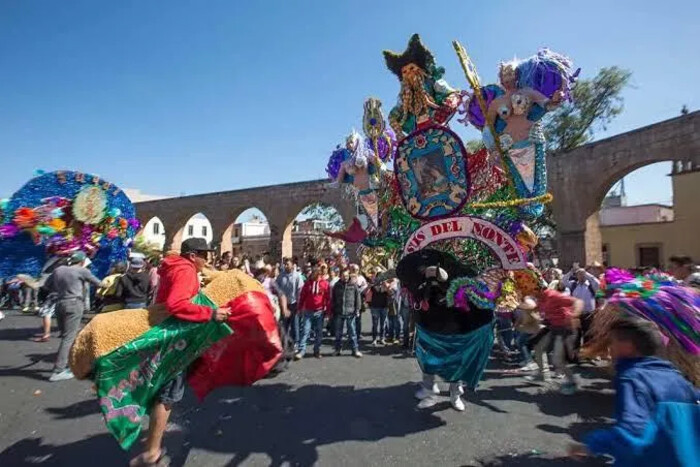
{"points": [[172, 240], [226, 244], [275, 246], [593, 239], [572, 248]]}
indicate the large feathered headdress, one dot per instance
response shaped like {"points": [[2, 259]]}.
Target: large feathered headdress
{"points": [[675, 308]]}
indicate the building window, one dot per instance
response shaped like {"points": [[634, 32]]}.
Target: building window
{"points": [[649, 256], [190, 230], [156, 228], [204, 231], [606, 254]]}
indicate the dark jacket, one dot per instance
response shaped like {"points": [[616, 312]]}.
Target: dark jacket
{"points": [[346, 299], [134, 287], [641, 384]]}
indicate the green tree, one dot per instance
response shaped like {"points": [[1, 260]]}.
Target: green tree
{"points": [[148, 249], [324, 212], [596, 102], [474, 145]]}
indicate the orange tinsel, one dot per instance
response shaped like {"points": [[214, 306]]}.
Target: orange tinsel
{"points": [[25, 218], [58, 224], [123, 223]]}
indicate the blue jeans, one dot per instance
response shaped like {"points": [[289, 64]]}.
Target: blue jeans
{"points": [[291, 324], [378, 322], [525, 353], [504, 332], [405, 324], [349, 323], [310, 318], [394, 327], [134, 305]]}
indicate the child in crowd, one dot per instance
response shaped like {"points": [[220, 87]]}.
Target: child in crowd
{"points": [[656, 408], [527, 325]]}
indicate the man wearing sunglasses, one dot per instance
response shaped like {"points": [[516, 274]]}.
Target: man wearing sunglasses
{"points": [[179, 283]]}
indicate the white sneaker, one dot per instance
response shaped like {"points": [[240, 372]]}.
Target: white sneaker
{"points": [[457, 403], [2, 315], [357, 354], [424, 393], [539, 377], [428, 402], [532, 366], [61, 376]]}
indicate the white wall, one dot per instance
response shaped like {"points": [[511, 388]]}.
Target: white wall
{"points": [[149, 234], [197, 226]]}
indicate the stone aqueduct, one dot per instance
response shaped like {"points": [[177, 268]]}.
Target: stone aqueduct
{"points": [[578, 180]]}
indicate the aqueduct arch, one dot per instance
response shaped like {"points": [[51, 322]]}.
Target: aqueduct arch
{"points": [[580, 179], [279, 203]]}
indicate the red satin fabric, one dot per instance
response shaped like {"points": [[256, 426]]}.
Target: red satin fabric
{"points": [[245, 356]]}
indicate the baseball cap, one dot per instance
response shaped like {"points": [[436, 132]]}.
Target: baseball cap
{"points": [[194, 245], [136, 262], [78, 257]]}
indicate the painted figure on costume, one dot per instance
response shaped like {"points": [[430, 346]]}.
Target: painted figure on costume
{"points": [[527, 91], [425, 98], [359, 165]]}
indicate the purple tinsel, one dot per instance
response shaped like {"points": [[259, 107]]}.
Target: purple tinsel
{"points": [[547, 72], [335, 161], [474, 114], [8, 230], [385, 145], [617, 276]]}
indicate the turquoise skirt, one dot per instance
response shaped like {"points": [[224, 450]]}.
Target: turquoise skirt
{"points": [[455, 357]]}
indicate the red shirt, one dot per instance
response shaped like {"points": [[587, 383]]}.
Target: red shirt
{"points": [[556, 308], [315, 296], [179, 283]]}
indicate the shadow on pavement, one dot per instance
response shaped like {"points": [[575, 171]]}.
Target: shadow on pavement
{"points": [[289, 425], [101, 449], [535, 460], [77, 410], [286, 424], [20, 334], [26, 371]]}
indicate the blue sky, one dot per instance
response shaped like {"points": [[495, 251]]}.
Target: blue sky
{"points": [[182, 97]]}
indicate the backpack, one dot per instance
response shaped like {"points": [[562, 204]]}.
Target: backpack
{"points": [[573, 284]]}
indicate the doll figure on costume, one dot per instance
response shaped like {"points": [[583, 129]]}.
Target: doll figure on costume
{"points": [[425, 98], [359, 168], [527, 91]]}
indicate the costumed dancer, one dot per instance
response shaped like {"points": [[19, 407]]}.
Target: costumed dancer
{"points": [[454, 337], [137, 358], [179, 284], [674, 308]]}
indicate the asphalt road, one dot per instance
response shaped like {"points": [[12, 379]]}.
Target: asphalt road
{"points": [[337, 411]]}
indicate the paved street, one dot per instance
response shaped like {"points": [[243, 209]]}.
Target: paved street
{"points": [[338, 411]]}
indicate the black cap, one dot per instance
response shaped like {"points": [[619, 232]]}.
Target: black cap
{"points": [[193, 245]]}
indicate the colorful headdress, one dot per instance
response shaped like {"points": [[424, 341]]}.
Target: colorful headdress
{"points": [[658, 298], [415, 53]]}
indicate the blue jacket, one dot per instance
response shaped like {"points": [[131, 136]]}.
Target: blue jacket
{"points": [[641, 385]]}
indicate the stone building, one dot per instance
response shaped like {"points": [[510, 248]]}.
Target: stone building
{"points": [[647, 235]]}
